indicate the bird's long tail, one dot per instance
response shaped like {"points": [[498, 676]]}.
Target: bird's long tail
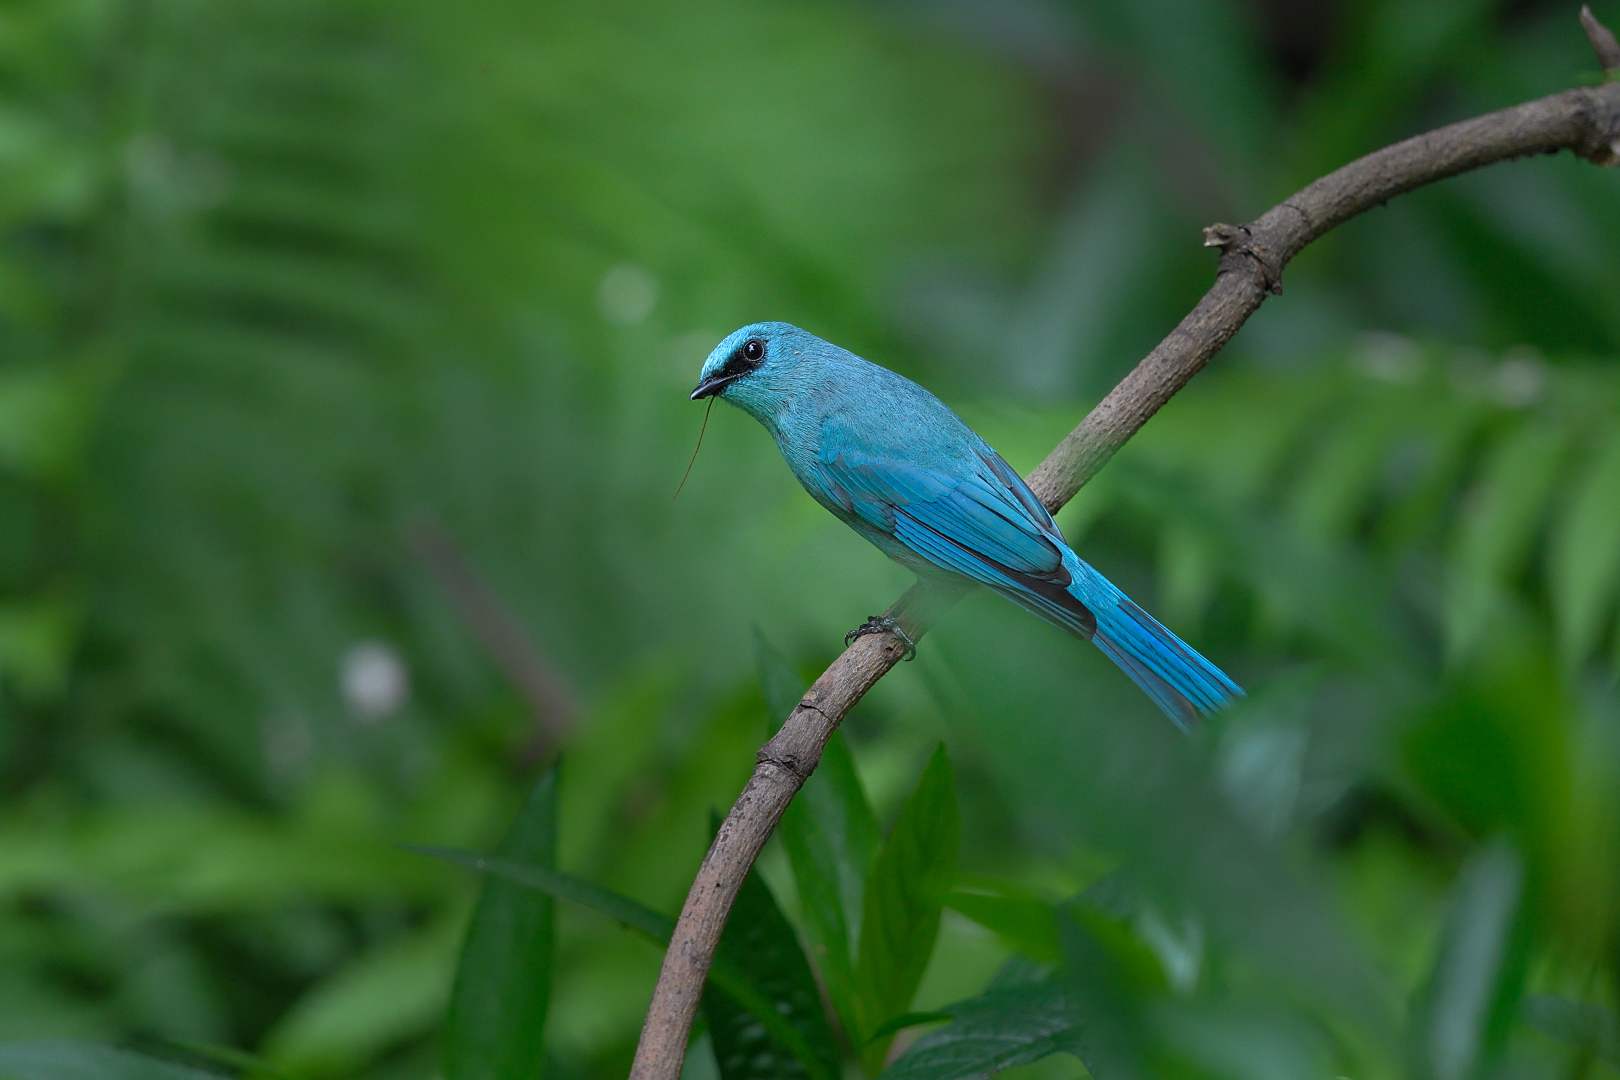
{"points": [[1171, 672]]}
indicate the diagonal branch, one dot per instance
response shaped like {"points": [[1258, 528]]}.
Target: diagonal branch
{"points": [[1586, 121], [550, 702]]}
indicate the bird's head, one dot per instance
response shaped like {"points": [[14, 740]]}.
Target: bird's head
{"points": [[757, 367]]}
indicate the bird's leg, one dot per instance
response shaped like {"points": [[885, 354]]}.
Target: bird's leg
{"points": [[883, 624]]}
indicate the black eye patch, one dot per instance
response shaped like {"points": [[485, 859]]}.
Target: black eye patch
{"points": [[748, 356]]}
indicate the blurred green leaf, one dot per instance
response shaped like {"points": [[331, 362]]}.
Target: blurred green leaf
{"points": [[759, 939], [1492, 539], [1385, 54], [904, 895], [248, 1066], [82, 1061], [1080, 313], [1190, 571], [257, 320], [1323, 587], [1010, 1026], [1479, 973], [1519, 269], [1122, 784], [1584, 559], [208, 858], [1112, 977], [1439, 449], [896, 1024], [37, 639], [1236, 1041], [496, 1023], [42, 420], [387, 994], [1189, 80], [621, 909], [1262, 766], [1588, 1027], [778, 681], [1490, 753], [1338, 482], [830, 835], [726, 974], [1026, 922]]}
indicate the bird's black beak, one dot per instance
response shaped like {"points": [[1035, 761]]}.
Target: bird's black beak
{"points": [[712, 386]]}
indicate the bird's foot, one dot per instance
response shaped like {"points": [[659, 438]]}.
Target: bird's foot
{"points": [[883, 624]]}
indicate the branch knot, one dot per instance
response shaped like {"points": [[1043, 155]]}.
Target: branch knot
{"points": [[788, 763], [1239, 249], [1602, 39]]}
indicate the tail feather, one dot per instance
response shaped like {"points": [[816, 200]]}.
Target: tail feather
{"points": [[1177, 706], [1171, 672], [1168, 670]]}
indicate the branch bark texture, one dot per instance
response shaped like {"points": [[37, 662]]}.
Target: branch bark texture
{"points": [[1252, 257]]}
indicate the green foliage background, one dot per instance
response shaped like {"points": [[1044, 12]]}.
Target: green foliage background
{"points": [[288, 285]]}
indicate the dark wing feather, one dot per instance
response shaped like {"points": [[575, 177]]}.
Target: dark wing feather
{"points": [[969, 522]]}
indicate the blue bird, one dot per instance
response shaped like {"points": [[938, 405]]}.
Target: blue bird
{"points": [[895, 464]]}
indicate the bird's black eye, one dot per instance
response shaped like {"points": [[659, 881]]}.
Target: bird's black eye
{"points": [[753, 350]]}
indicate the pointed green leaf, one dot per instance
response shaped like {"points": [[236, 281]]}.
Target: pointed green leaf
{"points": [[1113, 977], [1479, 973], [1497, 529], [1584, 567], [1440, 449], [896, 1024], [239, 1062], [1002, 1028], [621, 909], [1337, 481], [1027, 923], [1327, 589], [83, 1061], [759, 939], [913, 871], [1095, 1010], [385, 995], [830, 835], [497, 1017], [724, 974]]}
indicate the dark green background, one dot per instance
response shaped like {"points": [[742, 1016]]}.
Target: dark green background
{"points": [[293, 290]]}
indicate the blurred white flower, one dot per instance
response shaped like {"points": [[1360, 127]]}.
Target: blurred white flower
{"points": [[1520, 378], [375, 680], [627, 294], [1388, 357]]}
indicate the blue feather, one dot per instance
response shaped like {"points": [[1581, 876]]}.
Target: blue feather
{"points": [[898, 466]]}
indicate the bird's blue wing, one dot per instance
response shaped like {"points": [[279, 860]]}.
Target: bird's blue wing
{"points": [[962, 516], [962, 509]]}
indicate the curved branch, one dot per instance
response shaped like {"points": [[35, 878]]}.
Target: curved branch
{"points": [[1586, 121]]}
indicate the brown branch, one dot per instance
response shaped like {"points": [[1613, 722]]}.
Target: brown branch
{"points": [[1586, 121], [498, 630]]}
